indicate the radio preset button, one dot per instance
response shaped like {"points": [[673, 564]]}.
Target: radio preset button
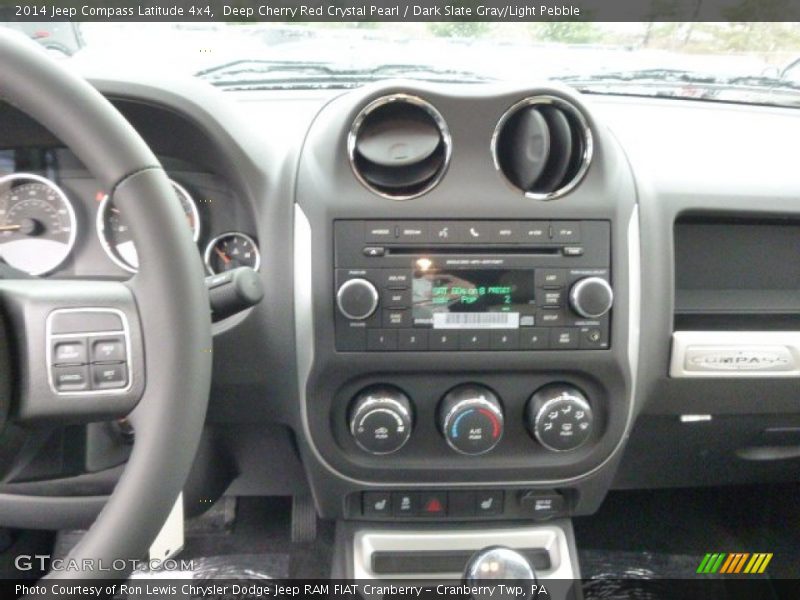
{"points": [[474, 340], [504, 339], [410, 340], [443, 340], [382, 339], [535, 338]]}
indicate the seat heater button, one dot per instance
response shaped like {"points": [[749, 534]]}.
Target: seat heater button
{"points": [[107, 377], [69, 352], [108, 350], [71, 379]]}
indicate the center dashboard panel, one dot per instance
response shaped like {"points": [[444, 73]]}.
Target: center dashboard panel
{"points": [[473, 333]]}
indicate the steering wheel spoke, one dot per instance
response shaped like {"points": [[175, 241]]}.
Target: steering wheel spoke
{"points": [[79, 351]]}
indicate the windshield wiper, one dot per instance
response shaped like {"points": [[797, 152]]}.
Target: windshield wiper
{"points": [[273, 74], [667, 77]]}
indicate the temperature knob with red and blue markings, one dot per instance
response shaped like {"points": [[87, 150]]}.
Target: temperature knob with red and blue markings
{"points": [[471, 419]]}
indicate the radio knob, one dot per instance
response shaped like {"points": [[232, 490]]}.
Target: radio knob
{"points": [[381, 420], [471, 419], [591, 297], [357, 299], [560, 417]]}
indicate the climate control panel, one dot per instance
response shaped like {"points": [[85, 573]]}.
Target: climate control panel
{"points": [[471, 419]]}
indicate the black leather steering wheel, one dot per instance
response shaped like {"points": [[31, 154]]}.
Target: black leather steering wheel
{"points": [[164, 310]]}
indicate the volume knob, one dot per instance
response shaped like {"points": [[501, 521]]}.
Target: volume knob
{"points": [[591, 297], [357, 299]]}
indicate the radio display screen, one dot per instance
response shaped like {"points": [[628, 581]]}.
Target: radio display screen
{"points": [[472, 298]]}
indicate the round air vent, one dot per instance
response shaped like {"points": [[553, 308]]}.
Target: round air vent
{"points": [[399, 146], [543, 146]]}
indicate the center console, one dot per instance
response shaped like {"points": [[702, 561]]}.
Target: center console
{"points": [[466, 308]]}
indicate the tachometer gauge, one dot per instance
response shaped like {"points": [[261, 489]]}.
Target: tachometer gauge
{"points": [[37, 223], [114, 232], [231, 250]]}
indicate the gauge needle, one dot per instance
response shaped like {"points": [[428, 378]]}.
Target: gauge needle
{"points": [[226, 259], [10, 227]]}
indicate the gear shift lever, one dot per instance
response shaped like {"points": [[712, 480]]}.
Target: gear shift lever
{"points": [[497, 565]]}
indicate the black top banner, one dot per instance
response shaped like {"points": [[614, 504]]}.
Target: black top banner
{"points": [[401, 10]]}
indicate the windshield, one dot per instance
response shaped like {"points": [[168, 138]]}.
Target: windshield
{"points": [[730, 62]]}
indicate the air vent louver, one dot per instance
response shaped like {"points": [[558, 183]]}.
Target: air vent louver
{"points": [[399, 146], [543, 146]]}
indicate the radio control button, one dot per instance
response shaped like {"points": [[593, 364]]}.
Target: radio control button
{"points": [[535, 338], [396, 318], [503, 339], [412, 340], [572, 250], [552, 298], [550, 317], [357, 299], [527, 321], [550, 278], [443, 232], [443, 340], [416, 232], [374, 251], [593, 337], [504, 232], [564, 338], [396, 298], [566, 231], [395, 279], [380, 232], [381, 339], [535, 232], [473, 340], [475, 232]]}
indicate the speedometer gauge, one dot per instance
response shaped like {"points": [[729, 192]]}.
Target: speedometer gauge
{"points": [[231, 250], [37, 223], [114, 232]]}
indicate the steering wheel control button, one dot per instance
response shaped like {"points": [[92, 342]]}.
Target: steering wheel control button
{"points": [[560, 417], [69, 352], [357, 299], [591, 297], [381, 420], [377, 504], [71, 379], [108, 350], [109, 376], [63, 322], [471, 419]]}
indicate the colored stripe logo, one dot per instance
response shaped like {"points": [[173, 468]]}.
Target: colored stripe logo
{"points": [[735, 562]]}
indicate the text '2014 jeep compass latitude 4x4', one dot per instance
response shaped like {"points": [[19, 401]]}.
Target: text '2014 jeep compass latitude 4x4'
{"points": [[399, 308]]}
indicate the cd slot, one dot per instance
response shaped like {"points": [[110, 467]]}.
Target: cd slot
{"points": [[473, 250]]}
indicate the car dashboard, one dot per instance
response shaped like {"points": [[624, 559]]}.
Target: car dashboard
{"points": [[462, 326]]}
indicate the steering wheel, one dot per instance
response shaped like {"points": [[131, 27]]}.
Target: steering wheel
{"points": [[160, 318]]}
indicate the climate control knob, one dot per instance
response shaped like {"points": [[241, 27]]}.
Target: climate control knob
{"points": [[471, 419], [357, 299], [591, 297], [381, 419], [560, 417]]}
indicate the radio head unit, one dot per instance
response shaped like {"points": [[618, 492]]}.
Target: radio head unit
{"points": [[419, 291]]}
